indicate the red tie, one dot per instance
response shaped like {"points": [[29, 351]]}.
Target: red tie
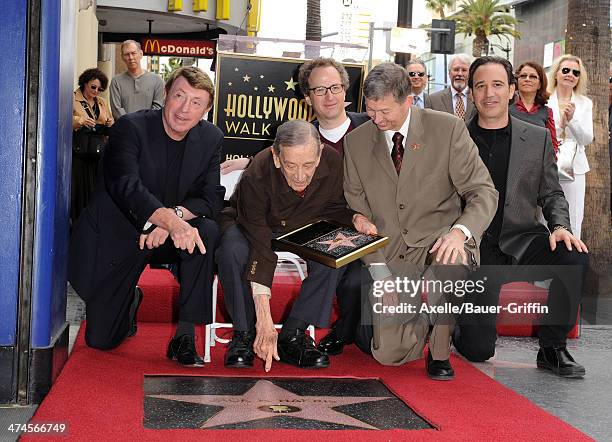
{"points": [[397, 153]]}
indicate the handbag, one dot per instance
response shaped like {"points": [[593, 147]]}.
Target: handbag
{"points": [[565, 159], [89, 142]]}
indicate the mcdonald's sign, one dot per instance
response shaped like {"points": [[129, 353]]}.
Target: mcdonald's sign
{"points": [[182, 48]]}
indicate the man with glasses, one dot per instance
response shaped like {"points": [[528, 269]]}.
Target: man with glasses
{"points": [[418, 81], [156, 203], [456, 98], [135, 89]]}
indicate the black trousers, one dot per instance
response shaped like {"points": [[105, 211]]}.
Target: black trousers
{"points": [[107, 313], [476, 333], [313, 305]]}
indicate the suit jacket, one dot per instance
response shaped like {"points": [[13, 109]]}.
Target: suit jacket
{"points": [[580, 128], [443, 101], [441, 166], [264, 206], [131, 189], [533, 181]]}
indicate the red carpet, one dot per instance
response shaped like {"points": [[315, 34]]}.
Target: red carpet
{"points": [[99, 395], [161, 301]]}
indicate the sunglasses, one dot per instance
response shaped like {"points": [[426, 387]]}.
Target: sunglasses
{"points": [[528, 77], [416, 74], [95, 87], [566, 71]]}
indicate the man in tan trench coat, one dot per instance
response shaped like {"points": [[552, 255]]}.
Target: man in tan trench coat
{"points": [[416, 175]]}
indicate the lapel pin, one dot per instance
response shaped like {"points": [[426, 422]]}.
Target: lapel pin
{"points": [[415, 146]]}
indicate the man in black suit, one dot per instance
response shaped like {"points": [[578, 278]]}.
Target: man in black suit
{"points": [[156, 203], [521, 161]]}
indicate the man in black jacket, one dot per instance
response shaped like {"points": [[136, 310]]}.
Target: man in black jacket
{"points": [[521, 161], [156, 202]]}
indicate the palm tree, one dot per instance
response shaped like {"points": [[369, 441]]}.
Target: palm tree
{"points": [[313, 26], [483, 18], [438, 6], [588, 37]]}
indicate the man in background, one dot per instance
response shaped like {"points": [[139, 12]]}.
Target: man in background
{"points": [[135, 89], [417, 72], [456, 98]]}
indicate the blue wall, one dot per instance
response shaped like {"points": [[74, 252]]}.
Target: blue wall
{"points": [[53, 191], [12, 97]]}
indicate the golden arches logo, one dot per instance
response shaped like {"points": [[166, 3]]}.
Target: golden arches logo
{"points": [[151, 45]]}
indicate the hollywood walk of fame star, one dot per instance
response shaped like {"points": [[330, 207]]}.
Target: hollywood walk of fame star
{"points": [[246, 78], [290, 84], [270, 88], [265, 400], [340, 240]]}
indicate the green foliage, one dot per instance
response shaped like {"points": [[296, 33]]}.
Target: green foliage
{"points": [[485, 17], [438, 6]]}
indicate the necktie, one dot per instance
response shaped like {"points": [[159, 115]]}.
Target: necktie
{"points": [[459, 107], [416, 100], [397, 153]]}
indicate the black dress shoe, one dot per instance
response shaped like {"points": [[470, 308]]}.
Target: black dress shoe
{"points": [[134, 311], [439, 370], [183, 350], [331, 344], [240, 351], [298, 349], [560, 362]]}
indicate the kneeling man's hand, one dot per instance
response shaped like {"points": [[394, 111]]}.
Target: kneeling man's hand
{"points": [[364, 225], [569, 240], [186, 237], [154, 239], [449, 246]]}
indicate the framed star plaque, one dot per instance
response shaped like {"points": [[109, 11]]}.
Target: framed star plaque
{"points": [[329, 243]]}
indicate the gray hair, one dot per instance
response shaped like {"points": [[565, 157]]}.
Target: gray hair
{"points": [[127, 42], [296, 133], [387, 79], [416, 61], [463, 58]]}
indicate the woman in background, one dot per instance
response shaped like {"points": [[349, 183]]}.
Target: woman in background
{"points": [[90, 114], [573, 114], [530, 105]]}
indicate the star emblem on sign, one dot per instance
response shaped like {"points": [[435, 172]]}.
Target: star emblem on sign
{"points": [[290, 84], [265, 400], [341, 240]]}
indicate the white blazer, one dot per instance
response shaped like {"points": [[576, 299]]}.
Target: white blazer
{"points": [[580, 128]]}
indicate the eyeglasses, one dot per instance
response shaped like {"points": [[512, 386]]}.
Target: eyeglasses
{"points": [[566, 71], [95, 87], [322, 90], [416, 74], [528, 77]]}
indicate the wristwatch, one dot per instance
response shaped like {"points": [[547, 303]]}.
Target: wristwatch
{"points": [[178, 211]]}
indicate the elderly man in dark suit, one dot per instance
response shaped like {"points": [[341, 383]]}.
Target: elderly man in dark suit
{"points": [[456, 98], [296, 181], [521, 161], [156, 203]]}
